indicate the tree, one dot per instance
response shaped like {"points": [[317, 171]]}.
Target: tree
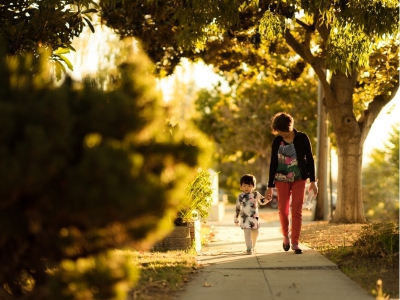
{"points": [[84, 171], [356, 42], [381, 181], [28, 25]]}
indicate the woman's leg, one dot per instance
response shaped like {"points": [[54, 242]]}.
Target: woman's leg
{"points": [[298, 188], [254, 236], [284, 192]]}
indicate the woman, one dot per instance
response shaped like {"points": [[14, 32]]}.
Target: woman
{"points": [[292, 163]]}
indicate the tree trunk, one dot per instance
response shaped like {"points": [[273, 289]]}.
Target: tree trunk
{"points": [[322, 159], [264, 168], [350, 137], [349, 207]]}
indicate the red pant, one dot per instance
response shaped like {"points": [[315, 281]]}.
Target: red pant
{"points": [[296, 190]]}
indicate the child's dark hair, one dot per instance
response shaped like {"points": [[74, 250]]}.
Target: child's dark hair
{"points": [[248, 179]]}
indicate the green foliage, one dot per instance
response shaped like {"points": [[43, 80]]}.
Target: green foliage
{"points": [[206, 25], [380, 182], [201, 26], [198, 196], [347, 51], [160, 25], [173, 29], [28, 25], [373, 17], [107, 276], [140, 19], [376, 77], [84, 171], [271, 26], [378, 240]]}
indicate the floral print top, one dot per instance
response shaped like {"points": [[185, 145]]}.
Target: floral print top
{"points": [[247, 209], [288, 169]]}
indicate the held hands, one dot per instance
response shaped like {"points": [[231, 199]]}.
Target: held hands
{"points": [[268, 194]]}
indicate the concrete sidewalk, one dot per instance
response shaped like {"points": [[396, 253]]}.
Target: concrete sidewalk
{"points": [[269, 274]]}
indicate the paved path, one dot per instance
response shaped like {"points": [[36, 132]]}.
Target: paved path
{"points": [[269, 274]]}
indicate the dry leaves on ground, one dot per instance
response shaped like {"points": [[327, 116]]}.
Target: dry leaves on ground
{"points": [[319, 235], [324, 235]]}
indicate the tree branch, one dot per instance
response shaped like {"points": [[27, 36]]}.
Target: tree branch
{"points": [[316, 63], [323, 29], [308, 28], [296, 46], [374, 108]]}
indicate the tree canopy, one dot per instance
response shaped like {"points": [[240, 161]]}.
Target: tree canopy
{"points": [[44, 24]]}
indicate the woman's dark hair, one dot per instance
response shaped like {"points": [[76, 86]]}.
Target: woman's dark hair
{"points": [[282, 122], [248, 179]]}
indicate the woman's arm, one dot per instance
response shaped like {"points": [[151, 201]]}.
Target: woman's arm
{"points": [[309, 158], [274, 161]]}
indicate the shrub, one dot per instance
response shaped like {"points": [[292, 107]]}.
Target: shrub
{"points": [[378, 240], [198, 197], [83, 171]]}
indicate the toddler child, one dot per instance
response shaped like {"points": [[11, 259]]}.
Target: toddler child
{"points": [[247, 209]]}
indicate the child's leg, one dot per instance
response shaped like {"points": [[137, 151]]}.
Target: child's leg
{"points": [[254, 236], [247, 237]]}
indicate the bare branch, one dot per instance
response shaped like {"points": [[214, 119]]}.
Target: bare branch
{"points": [[316, 63]]}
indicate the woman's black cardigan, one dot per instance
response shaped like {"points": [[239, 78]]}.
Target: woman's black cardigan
{"points": [[304, 155]]}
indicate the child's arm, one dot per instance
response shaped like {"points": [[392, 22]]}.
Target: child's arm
{"points": [[260, 198], [237, 211]]}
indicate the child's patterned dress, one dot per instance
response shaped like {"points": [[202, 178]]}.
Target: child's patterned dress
{"points": [[247, 208]]}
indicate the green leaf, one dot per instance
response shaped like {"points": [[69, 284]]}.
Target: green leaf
{"points": [[89, 24], [60, 51], [66, 61], [60, 69]]}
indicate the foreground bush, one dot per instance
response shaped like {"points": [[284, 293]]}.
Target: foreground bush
{"points": [[83, 171]]}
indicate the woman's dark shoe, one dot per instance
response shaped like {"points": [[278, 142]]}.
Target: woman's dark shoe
{"points": [[286, 247], [296, 249], [286, 243]]}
